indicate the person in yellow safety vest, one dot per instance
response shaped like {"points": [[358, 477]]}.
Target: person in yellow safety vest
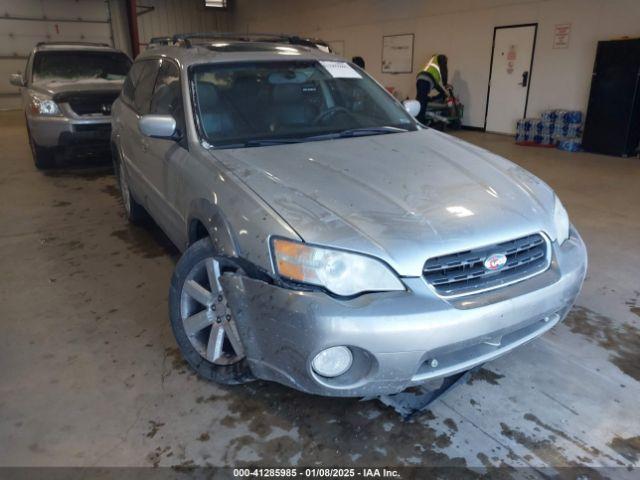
{"points": [[434, 75]]}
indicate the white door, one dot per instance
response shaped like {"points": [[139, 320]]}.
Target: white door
{"points": [[510, 77]]}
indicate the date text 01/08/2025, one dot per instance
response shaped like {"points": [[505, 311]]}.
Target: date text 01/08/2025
{"points": [[316, 472]]}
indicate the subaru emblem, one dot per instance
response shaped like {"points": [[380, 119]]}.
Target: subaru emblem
{"points": [[495, 262]]}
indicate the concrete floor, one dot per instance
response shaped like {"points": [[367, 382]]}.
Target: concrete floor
{"points": [[90, 374]]}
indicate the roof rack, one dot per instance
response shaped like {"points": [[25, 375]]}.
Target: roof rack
{"points": [[186, 38], [161, 41], [88, 44]]}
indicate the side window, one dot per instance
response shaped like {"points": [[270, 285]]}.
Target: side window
{"points": [[167, 95], [129, 86], [144, 86]]}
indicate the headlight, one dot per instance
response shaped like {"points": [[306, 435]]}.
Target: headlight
{"points": [[560, 221], [342, 273], [43, 106]]}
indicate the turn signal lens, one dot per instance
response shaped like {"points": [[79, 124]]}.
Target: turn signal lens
{"points": [[342, 273]]}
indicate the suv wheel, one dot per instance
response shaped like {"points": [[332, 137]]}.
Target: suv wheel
{"points": [[43, 158], [134, 211], [202, 322]]}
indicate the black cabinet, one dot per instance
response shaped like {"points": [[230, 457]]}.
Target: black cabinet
{"points": [[612, 125]]}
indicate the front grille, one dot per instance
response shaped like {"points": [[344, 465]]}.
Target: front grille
{"points": [[463, 273], [93, 127], [92, 104]]}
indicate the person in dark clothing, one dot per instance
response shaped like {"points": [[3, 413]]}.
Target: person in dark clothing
{"points": [[434, 76], [359, 61]]}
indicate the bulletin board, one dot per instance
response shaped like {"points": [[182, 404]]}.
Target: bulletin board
{"points": [[397, 53]]}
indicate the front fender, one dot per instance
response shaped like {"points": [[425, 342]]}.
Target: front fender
{"points": [[217, 226]]}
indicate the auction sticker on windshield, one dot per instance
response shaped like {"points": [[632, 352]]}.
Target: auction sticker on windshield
{"points": [[340, 69]]}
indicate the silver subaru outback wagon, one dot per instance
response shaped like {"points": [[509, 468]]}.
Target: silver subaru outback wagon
{"points": [[330, 242]]}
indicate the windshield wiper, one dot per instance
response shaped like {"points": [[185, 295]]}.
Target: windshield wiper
{"points": [[272, 141], [356, 132], [353, 132]]}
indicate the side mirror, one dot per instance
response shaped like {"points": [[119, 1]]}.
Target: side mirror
{"points": [[16, 79], [157, 126], [412, 106]]}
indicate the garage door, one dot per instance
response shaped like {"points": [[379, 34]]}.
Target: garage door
{"points": [[27, 22]]}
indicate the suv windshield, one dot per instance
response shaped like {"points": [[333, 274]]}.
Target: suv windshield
{"points": [[79, 65], [266, 103]]}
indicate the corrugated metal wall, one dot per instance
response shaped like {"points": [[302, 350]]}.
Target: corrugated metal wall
{"points": [[178, 16]]}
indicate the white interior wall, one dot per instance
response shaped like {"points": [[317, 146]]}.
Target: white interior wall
{"points": [[462, 29]]}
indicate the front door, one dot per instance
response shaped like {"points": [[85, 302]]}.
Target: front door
{"points": [[169, 154], [511, 63]]}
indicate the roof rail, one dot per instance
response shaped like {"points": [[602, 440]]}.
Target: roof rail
{"points": [[89, 44], [168, 40], [185, 38]]}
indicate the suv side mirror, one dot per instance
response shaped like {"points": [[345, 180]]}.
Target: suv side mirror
{"points": [[158, 126], [17, 79], [412, 106]]}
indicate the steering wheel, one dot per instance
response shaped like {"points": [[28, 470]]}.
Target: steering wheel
{"points": [[330, 113]]}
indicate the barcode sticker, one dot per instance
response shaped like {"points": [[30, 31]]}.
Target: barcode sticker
{"points": [[340, 69]]}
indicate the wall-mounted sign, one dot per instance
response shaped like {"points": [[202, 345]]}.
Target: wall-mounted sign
{"points": [[561, 33], [397, 53], [511, 58]]}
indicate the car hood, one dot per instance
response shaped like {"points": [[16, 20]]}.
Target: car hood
{"points": [[401, 197], [63, 86]]}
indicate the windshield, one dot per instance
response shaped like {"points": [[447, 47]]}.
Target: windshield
{"points": [[266, 103], [78, 65]]}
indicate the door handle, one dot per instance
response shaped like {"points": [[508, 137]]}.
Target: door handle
{"points": [[525, 79]]}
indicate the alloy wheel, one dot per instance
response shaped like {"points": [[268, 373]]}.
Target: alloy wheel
{"points": [[206, 317]]}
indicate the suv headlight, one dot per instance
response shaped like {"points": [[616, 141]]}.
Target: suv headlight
{"points": [[43, 106], [343, 273], [560, 222]]}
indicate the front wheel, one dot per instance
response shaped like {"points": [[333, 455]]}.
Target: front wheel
{"points": [[202, 323]]}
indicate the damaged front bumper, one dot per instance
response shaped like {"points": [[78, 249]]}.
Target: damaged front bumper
{"points": [[397, 339]]}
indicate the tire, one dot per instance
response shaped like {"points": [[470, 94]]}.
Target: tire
{"points": [[196, 324], [43, 158], [134, 212]]}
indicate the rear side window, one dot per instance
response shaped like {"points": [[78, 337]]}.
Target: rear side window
{"points": [[138, 86]]}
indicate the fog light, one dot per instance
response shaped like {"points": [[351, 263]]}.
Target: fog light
{"points": [[332, 362]]}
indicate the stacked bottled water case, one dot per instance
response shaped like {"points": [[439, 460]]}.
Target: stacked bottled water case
{"points": [[554, 128]]}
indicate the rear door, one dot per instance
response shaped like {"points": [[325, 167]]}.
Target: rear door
{"points": [[169, 155]]}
